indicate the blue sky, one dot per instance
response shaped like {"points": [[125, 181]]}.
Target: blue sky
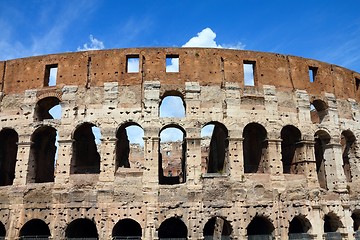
{"points": [[324, 30]]}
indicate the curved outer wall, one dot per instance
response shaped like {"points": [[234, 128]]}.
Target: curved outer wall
{"points": [[94, 87]]}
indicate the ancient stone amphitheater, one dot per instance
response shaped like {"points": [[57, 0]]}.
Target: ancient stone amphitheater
{"points": [[282, 160]]}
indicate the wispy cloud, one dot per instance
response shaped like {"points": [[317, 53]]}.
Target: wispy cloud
{"points": [[94, 44], [52, 22]]}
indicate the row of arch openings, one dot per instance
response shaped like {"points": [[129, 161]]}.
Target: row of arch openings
{"points": [[172, 151], [260, 227], [171, 104]]}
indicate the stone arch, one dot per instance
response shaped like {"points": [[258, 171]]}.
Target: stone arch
{"points": [[43, 108], [172, 155], [290, 145], [126, 150], [299, 227], [318, 110], [332, 224], [2, 230], [127, 229], [172, 104], [81, 228], [254, 145], [217, 228], [172, 227], [348, 151], [356, 220], [8, 152], [260, 225], [85, 157], [322, 138], [35, 228], [42, 155], [214, 147]]}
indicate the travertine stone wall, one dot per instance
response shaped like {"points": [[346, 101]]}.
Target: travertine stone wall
{"points": [[94, 87]]}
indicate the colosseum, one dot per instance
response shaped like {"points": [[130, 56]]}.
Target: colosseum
{"points": [[265, 147]]}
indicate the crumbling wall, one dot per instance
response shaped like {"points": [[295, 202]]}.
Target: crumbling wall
{"points": [[275, 164]]}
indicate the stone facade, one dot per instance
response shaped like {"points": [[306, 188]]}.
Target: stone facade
{"points": [[283, 159]]}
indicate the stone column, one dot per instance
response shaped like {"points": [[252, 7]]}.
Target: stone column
{"points": [[236, 158], [108, 156], [151, 155], [151, 99], [22, 163], [348, 223], [335, 176], [193, 161], [317, 223], [273, 162], [63, 162], [309, 162]]}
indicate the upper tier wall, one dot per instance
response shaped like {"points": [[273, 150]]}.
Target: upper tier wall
{"points": [[206, 66]]}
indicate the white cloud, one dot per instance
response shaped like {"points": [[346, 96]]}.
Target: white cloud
{"points": [[135, 134], [206, 39], [94, 44], [171, 135], [133, 65]]}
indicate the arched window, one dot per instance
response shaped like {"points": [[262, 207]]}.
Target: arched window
{"points": [[8, 151], [2, 230], [86, 158], [129, 146], [348, 151], [299, 228], [127, 229], [47, 108], [260, 228], [318, 110], [322, 138], [291, 137], [253, 146], [217, 228], [172, 228], [172, 105], [331, 225], [42, 155], [81, 228], [356, 218], [172, 155], [214, 147], [35, 228]]}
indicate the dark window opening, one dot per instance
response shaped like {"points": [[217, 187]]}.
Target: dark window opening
{"points": [[291, 137], [50, 75], [8, 152], [2, 230], [357, 83], [348, 151], [322, 138], [318, 111], [81, 228], [172, 63], [127, 229], [249, 73], [214, 147], [47, 108], [312, 73], [132, 64], [86, 158], [172, 106], [259, 226], [172, 156], [129, 146], [254, 148], [356, 218], [331, 223], [172, 228], [42, 152], [35, 228], [217, 228], [299, 228]]}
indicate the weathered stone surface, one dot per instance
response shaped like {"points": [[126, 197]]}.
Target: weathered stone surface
{"points": [[284, 154]]}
